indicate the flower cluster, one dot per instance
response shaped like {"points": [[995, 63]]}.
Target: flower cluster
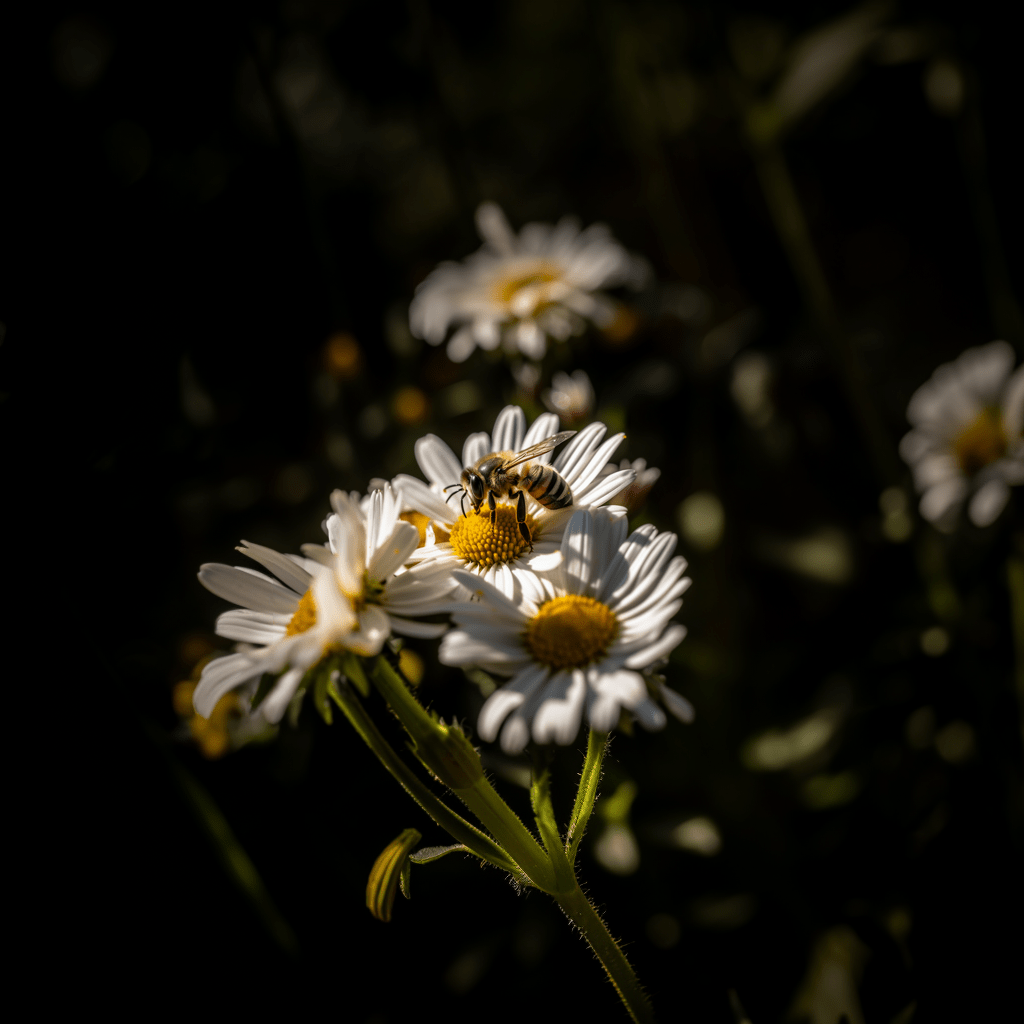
{"points": [[522, 289], [517, 543]]}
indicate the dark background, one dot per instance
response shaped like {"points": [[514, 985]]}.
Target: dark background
{"points": [[199, 202]]}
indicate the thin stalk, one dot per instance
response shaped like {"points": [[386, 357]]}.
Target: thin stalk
{"points": [[447, 753], [471, 837], [787, 213], [544, 815], [590, 778], [581, 912]]}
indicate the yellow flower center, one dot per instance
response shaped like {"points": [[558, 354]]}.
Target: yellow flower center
{"points": [[475, 540], [982, 442], [570, 632], [304, 617], [506, 288]]}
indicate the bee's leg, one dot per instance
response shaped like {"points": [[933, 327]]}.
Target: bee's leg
{"points": [[524, 530], [492, 505]]}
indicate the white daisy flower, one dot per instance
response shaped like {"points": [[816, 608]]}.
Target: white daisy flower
{"points": [[579, 640], [349, 595], [634, 494], [572, 398], [967, 437], [467, 539], [523, 289]]}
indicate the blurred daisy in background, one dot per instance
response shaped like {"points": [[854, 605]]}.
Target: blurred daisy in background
{"points": [[522, 289], [497, 550], [578, 642], [570, 397], [346, 595], [966, 443], [634, 494]]}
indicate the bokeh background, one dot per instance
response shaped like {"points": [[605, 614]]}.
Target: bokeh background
{"points": [[223, 215]]}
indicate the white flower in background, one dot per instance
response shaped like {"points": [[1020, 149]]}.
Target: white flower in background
{"points": [[522, 289], [572, 398], [468, 540], [634, 494], [348, 596], [967, 439], [579, 640]]}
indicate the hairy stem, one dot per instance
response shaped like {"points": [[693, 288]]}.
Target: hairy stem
{"points": [[581, 912], [472, 838], [447, 753]]}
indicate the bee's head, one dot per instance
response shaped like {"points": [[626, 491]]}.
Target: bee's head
{"points": [[473, 482]]}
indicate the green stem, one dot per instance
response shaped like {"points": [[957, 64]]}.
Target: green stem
{"points": [[544, 815], [581, 912], [447, 753], [787, 213], [590, 778], [472, 838]]}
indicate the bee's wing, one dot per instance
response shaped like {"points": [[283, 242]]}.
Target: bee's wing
{"points": [[539, 449]]}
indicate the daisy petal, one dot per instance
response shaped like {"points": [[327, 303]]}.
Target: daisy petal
{"points": [[235, 584]]}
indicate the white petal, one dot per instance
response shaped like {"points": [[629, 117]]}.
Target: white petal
{"points": [[988, 501], [421, 498], [423, 630], [488, 591], [219, 677], [276, 702], [374, 628], [578, 553], [437, 460], [248, 589], [558, 718], [394, 552], [677, 704], [280, 565], [671, 639], [509, 429], [461, 345], [1013, 404], [937, 501], [252, 627], [507, 698], [475, 448], [543, 427]]}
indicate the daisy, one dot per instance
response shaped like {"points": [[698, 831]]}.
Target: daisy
{"points": [[466, 539], [579, 640], [347, 595], [523, 289], [572, 398], [967, 439], [634, 494]]}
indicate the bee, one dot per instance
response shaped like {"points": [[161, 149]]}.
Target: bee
{"points": [[499, 475]]}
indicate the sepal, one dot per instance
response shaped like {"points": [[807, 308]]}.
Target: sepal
{"points": [[390, 870]]}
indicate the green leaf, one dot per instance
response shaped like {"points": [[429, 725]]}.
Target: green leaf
{"points": [[321, 699], [353, 669], [387, 874], [590, 778], [429, 853]]}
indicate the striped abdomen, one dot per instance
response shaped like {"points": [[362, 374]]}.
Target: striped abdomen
{"points": [[546, 486]]}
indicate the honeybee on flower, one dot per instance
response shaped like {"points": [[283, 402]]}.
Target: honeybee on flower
{"points": [[494, 543], [522, 289]]}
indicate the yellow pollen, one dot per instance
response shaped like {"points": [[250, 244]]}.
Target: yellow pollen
{"points": [[304, 617], [420, 521], [506, 288], [570, 632], [982, 442], [476, 541]]}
